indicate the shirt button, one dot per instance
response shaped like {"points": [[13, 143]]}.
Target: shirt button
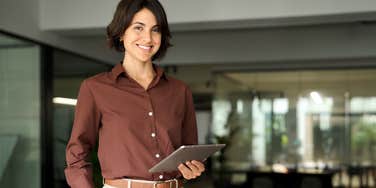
{"points": [[160, 176], [150, 113], [157, 155], [153, 135]]}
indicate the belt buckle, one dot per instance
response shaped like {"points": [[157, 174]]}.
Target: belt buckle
{"points": [[170, 182], [156, 183]]}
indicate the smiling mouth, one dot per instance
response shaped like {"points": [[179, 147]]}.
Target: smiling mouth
{"points": [[144, 47]]}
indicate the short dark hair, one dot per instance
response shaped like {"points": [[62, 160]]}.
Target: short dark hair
{"points": [[125, 11]]}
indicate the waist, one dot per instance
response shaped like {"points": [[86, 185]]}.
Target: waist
{"points": [[134, 183]]}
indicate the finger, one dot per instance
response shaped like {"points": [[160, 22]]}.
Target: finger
{"points": [[195, 169], [199, 164], [185, 171], [192, 166]]}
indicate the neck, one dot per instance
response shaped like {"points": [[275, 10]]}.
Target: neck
{"points": [[138, 70]]}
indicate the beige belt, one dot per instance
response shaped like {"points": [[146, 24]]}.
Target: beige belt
{"points": [[134, 183]]}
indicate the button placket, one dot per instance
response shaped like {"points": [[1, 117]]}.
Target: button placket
{"points": [[153, 134]]}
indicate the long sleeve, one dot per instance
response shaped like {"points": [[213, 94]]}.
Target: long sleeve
{"points": [[189, 131], [83, 138]]}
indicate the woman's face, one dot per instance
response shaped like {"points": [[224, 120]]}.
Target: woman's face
{"points": [[142, 38]]}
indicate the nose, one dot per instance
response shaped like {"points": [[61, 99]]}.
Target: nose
{"points": [[147, 37]]}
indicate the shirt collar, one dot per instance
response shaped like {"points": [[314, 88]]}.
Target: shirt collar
{"points": [[119, 70]]}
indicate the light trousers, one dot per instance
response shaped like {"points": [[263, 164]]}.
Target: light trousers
{"points": [[107, 186]]}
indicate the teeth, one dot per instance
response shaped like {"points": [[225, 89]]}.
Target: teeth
{"points": [[144, 47]]}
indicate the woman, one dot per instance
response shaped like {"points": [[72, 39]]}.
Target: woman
{"points": [[139, 114]]}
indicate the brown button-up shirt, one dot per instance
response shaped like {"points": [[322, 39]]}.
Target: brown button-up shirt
{"points": [[136, 128]]}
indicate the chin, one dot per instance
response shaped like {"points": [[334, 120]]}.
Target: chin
{"points": [[146, 58]]}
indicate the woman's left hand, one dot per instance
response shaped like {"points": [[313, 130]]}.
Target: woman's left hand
{"points": [[191, 169]]}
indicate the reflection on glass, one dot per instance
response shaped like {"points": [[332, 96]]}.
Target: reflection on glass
{"points": [[69, 71], [20, 151], [363, 130], [302, 119]]}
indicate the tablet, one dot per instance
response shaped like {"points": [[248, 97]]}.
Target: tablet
{"points": [[185, 153]]}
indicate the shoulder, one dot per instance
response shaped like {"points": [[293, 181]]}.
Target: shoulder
{"points": [[178, 84], [96, 80]]}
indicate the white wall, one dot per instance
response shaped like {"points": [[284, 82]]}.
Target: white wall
{"points": [[219, 10], [81, 13], [97, 13], [88, 17], [21, 17]]}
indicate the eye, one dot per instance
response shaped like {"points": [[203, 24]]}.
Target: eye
{"points": [[156, 30], [138, 28]]}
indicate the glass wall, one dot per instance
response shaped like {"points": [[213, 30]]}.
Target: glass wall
{"points": [[303, 120], [69, 71], [20, 153]]}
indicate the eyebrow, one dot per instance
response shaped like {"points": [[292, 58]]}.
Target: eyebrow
{"points": [[139, 23], [144, 24]]}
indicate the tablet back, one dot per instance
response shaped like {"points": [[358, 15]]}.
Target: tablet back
{"points": [[186, 153]]}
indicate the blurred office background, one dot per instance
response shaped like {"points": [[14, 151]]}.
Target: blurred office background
{"points": [[289, 86]]}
